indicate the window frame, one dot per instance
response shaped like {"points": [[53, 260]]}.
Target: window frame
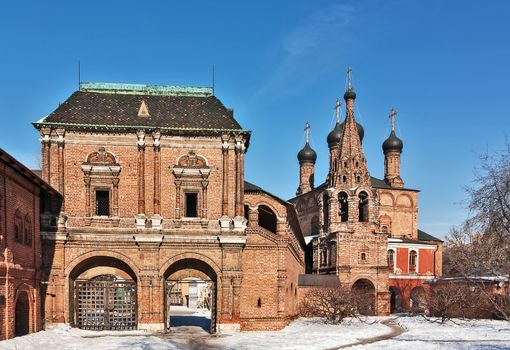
{"points": [[96, 207]]}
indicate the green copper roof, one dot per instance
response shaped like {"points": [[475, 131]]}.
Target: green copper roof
{"points": [[146, 89]]}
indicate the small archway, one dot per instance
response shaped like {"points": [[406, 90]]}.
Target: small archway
{"points": [[190, 295], [103, 295], [363, 206], [395, 299], [267, 218], [22, 315], [344, 206], [418, 299], [364, 292]]}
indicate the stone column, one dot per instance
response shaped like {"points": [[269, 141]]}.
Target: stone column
{"points": [[204, 199], [140, 217], [225, 220], [156, 217]]}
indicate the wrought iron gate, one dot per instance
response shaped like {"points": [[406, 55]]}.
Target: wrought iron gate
{"points": [[105, 303]]}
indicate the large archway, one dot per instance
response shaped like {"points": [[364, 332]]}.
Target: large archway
{"points": [[395, 299], [364, 291], [22, 315], [102, 295], [190, 295]]}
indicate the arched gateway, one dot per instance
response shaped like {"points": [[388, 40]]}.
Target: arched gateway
{"points": [[102, 294], [190, 294]]}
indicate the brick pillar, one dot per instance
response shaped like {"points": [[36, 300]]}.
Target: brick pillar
{"points": [[239, 178], [61, 165], [204, 199], [178, 199], [86, 179], [157, 172], [45, 155], [224, 197], [253, 217], [141, 172], [115, 195]]}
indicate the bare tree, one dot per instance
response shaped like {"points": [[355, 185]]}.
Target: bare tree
{"points": [[481, 245], [332, 303]]}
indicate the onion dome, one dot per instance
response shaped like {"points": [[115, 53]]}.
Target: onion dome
{"points": [[350, 94], [335, 135], [307, 154], [392, 143]]}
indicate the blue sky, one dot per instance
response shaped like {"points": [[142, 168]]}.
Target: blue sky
{"points": [[443, 64]]}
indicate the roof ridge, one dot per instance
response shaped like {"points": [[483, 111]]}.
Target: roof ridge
{"points": [[145, 89]]}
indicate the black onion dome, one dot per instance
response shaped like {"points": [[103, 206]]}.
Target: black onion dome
{"points": [[307, 154], [392, 143], [350, 93], [335, 135]]}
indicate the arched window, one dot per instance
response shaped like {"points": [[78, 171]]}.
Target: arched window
{"points": [[344, 178], [358, 179], [363, 256], [391, 259], [344, 206], [267, 218], [247, 213], [28, 231], [363, 207], [18, 226], [384, 229], [325, 209], [412, 261], [315, 224]]}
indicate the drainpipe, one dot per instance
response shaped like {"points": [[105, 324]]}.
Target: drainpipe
{"points": [[6, 294]]}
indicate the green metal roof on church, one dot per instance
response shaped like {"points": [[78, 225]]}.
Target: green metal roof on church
{"points": [[108, 105]]}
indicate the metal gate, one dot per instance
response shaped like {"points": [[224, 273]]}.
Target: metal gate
{"points": [[105, 303]]}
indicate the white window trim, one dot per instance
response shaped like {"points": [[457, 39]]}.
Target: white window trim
{"points": [[394, 258], [409, 261]]}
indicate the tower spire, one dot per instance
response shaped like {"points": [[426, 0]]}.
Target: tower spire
{"points": [[393, 114]]}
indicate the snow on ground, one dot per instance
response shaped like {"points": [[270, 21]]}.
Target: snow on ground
{"points": [[303, 333], [67, 338], [429, 334]]}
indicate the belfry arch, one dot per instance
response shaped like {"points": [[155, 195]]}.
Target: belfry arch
{"points": [[190, 275]]}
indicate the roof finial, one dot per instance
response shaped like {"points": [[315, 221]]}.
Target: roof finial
{"points": [[307, 130], [393, 114], [349, 78], [337, 109]]}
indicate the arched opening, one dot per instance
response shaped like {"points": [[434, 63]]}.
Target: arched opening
{"points": [[418, 299], [412, 260], [364, 292], [22, 315], [102, 295], [246, 212], [344, 206], [391, 260], [267, 218], [325, 209], [190, 295], [395, 299], [363, 206]]}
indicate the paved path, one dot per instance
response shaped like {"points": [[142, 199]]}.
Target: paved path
{"points": [[396, 330]]}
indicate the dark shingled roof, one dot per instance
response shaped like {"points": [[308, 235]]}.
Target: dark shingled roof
{"points": [[424, 236], [112, 109]]}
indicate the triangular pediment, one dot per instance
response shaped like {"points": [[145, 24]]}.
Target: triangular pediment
{"points": [[143, 111]]}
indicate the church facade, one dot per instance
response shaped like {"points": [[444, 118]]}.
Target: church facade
{"points": [[152, 180], [364, 229]]}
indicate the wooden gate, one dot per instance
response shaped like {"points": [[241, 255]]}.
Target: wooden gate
{"points": [[105, 303]]}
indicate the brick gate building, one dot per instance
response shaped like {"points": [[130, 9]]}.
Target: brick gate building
{"points": [[23, 197], [152, 179]]}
